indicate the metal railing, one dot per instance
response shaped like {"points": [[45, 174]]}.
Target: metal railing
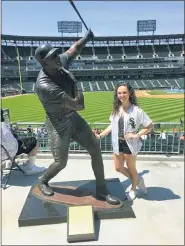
{"points": [[162, 140]]}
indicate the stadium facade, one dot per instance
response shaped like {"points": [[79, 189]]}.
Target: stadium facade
{"points": [[147, 62]]}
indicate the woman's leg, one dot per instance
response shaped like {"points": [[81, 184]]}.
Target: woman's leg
{"points": [[34, 151], [131, 164], [119, 161]]}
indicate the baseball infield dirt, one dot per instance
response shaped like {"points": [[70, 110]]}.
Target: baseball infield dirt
{"points": [[146, 94]]}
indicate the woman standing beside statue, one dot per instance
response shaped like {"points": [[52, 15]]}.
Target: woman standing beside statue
{"points": [[126, 119]]}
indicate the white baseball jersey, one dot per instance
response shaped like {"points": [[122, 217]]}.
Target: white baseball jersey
{"points": [[133, 119]]}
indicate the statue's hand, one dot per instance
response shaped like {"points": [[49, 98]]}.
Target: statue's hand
{"points": [[89, 35]]}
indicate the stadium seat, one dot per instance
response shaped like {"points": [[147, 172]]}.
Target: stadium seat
{"points": [[14, 167]]}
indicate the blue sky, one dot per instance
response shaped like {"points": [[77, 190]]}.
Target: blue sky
{"points": [[106, 18]]}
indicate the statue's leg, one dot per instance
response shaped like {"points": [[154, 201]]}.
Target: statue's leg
{"points": [[86, 138], [59, 144], [83, 134]]}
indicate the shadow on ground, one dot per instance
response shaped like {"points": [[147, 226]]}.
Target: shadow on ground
{"points": [[159, 194], [19, 179], [154, 193]]}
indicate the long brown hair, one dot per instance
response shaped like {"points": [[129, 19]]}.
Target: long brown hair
{"points": [[132, 97]]}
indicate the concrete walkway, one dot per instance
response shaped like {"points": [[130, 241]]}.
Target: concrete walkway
{"points": [[159, 216]]}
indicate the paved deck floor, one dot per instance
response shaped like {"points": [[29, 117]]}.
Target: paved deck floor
{"points": [[159, 216]]}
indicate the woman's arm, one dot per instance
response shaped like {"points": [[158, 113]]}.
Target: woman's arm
{"points": [[145, 130], [142, 132], [105, 132]]}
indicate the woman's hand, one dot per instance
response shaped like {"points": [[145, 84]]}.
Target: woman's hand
{"points": [[130, 135], [97, 135]]}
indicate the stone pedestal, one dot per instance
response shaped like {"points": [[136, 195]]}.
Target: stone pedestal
{"points": [[41, 210]]}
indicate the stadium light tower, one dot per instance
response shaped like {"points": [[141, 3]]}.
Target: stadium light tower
{"points": [[69, 27], [146, 26]]}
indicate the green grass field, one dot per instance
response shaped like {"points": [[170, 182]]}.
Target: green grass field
{"points": [[98, 106]]}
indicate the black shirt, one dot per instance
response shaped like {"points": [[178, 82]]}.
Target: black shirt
{"points": [[121, 127]]}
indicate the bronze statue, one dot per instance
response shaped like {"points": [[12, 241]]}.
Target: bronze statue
{"points": [[58, 92]]}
